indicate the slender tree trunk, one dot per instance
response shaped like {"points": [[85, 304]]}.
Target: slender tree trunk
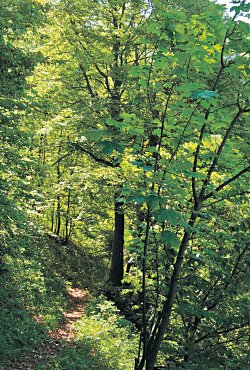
{"points": [[52, 218], [58, 210], [144, 320], [58, 216], [42, 148], [116, 270], [67, 223], [112, 81], [163, 321]]}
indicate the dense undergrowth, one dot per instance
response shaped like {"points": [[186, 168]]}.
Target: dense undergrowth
{"points": [[36, 272], [30, 288], [105, 340]]}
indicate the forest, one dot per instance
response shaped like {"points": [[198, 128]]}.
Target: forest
{"points": [[124, 185]]}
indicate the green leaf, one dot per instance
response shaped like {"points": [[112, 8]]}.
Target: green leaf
{"points": [[122, 125], [94, 134], [170, 238], [128, 116], [109, 146], [152, 200], [138, 199], [187, 89], [204, 94], [140, 164], [157, 132], [170, 215], [197, 175], [180, 28]]}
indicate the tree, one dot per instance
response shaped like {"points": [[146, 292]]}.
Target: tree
{"points": [[144, 89], [98, 70], [17, 62], [196, 115]]}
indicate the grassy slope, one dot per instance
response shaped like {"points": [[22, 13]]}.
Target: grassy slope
{"points": [[34, 278]]}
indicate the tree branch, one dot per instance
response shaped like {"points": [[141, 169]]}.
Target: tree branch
{"points": [[227, 197], [94, 156], [61, 158], [224, 184], [219, 151], [214, 333], [89, 87], [195, 164], [183, 132]]}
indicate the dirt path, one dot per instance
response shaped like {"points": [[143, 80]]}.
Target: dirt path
{"points": [[65, 332], [63, 337]]}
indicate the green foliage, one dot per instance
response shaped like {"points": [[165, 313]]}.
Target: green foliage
{"points": [[151, 98], [28, 290], [104, 340], [17, 62], [205, 94], [19, 332], [108, 335], [170, 238], [35, 274]]}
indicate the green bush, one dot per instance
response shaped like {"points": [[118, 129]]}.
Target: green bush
{"points": [[35, 273], [105, 340], [109, 336]]}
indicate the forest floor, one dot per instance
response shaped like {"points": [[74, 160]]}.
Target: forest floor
{"points": [[62, 337]]}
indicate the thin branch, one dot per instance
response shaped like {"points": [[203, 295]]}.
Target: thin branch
{"points": [[95, 157], [232, 341], [155, 114], [224, 106], [91, 56], [61, 158], [216, 159], [210, 291], [182, 134], [89, 87], [229, 280], [224, 184], [221, 147], [226, 331], [240, 256], [195, 164], [227, 197]]}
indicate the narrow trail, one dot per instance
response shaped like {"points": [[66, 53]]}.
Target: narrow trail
{"points": [[62, 337], [65, 332]]}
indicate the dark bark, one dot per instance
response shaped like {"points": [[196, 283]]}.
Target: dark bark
{"points": [[156, 338], [161, 326], [162, 323], [58, 216], [52, 218], [42, 148], [145, 323], [116, 269], [67, 217], [147, 345]]}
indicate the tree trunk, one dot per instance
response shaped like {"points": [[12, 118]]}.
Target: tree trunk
{"points": [[58, 213], [59, 174], [163, 321], [116, 270], [67, 217]]}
